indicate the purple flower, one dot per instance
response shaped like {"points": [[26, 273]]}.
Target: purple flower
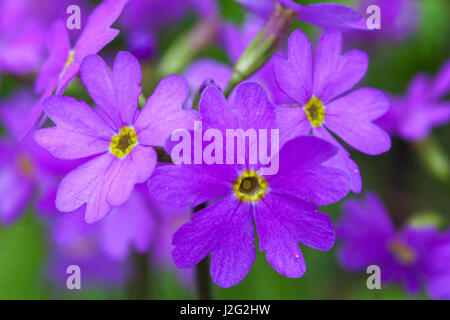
{"points": [[413, 116], [119, 135], [24, 167], [284, 205], [74, 242], [316, 88], [21, 38], [323, 15], [63, 63], [415, 256]]}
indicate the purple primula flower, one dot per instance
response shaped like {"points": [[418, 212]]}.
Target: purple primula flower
{"points": [[413, 116], [64, 60], [284, 205], [415, 256], [119, 135], [323, 15], [21, 38], [319, 106], [24, 167], [74, 242]]}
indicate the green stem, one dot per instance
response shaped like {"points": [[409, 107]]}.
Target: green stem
{"points": [[202, 277], [139, 282]]}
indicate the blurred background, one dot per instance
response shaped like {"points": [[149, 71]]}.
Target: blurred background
{"points": [[32, 265]]}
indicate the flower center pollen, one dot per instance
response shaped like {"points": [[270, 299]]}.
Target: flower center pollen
{"points": [[250, 186], [69, 58], [402, 253], [124, 142], [315, 111]]}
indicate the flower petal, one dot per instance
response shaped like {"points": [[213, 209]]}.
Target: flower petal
{"points": [[98, 80], [328, 15], [197, 238], [334, 73], [163, 113], [135, 168], [88, 184], [127, 76], [282, 221], [73, 115], [341, 159], [294, 76], [191, 184], [235, 254], [66, 144]]}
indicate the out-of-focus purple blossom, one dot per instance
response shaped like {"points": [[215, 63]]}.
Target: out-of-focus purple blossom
{"points": [[144, 19], [21, 37], [323, 15], [23, 28], [119, 136], [64, 60], [398, 18], [142, 224], [75, 242], [25, 168], [415, 256], [284, 205], [141, 44], [316, 87], [414, 115]]}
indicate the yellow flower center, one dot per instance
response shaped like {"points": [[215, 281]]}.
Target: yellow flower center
{"points": [[250, 186], [402, 252], [25, 166], [69, 58], [124, 142], [315, 111]]}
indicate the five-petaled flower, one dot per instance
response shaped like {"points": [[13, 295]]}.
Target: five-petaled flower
{"points": [[118, 134], [318, 105], [415, 256], [284, 206]]}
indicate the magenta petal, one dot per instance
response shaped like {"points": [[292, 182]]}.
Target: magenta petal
{"points": [[196, 239], [58, 45], [215, 110], [365, 104], [304, 152], [98, 80], [292, 122], [66, 144], [341, 159], [162, 113], [127, 76], [441, 84], [294, 76], [321, 184], [73, 115], [191, 184], [97, 32], [135, 168], [335, 73], [253, 108], [360, 134], [127, 227], [328, 15], [282, 221], [88, 183], [235, 254], [15, 192]]}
